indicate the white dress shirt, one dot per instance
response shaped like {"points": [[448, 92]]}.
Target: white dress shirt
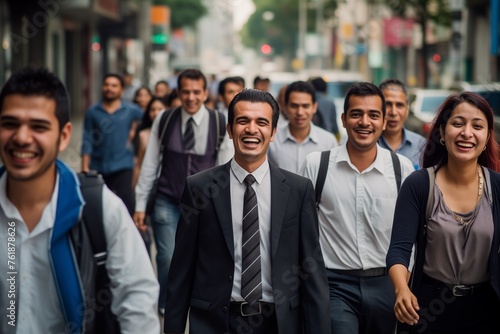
{"points": [[356, 209], [285, 152], [151, 159], [134, 286], [262, 188]]}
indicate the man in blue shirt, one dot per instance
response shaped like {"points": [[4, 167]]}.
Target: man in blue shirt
{"points": [[395, 137], [108, 131]]}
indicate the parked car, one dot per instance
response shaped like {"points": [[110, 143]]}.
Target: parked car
{"points": [[423, 106]]}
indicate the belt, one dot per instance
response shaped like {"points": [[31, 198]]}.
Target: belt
{"points": [[362, 273], [459, 290], [246, 309]]}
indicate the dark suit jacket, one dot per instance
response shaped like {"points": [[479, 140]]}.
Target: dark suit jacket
{"points": [[202, 268]]}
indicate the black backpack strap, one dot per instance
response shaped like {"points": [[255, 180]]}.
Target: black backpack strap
{"points": [[397, 169], [220, 124], [91, 185], [320, 180]]}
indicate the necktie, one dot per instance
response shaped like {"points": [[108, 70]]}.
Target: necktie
{"points": [[251, 282], [188, 138]]}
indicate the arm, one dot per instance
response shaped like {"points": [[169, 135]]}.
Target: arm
{"points": [[406, 305], [143, 143], [314, 286], [85, 163], [183, 265], [134, 286]]}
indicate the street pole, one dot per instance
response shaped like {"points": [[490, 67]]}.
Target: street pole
{"points": [[301, 52], [320, 30], [456, 40]]}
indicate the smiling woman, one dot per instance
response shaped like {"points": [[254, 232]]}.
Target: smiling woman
{"points": [[454, 224]]}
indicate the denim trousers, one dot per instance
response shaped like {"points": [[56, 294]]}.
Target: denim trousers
{"points": [[165, 218]]}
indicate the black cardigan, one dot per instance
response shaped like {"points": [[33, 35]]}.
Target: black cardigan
{"points": [[409, 227]]}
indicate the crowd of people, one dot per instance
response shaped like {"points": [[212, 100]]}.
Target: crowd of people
{"points": [[263, 221]]}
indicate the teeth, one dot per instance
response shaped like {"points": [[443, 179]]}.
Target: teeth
{"points": [[251, 140], [467, 145], [23, 155]]}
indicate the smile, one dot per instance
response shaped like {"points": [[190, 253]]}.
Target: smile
{"points": [[465, 145], [23, 155]]}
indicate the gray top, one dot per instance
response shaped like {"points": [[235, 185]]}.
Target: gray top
{"points": [[456, 253]]}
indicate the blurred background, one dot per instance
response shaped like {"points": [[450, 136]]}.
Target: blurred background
{"points": [[433, 45]]}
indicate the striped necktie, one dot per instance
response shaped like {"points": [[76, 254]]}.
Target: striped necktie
{"points": [[188, 138], [251, 282]]}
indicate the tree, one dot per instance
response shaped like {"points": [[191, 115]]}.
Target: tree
{"points": [[282, 31], [437, 11], [184, 13]]}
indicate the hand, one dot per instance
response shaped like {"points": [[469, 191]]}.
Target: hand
{"points": [[406, 307], [139, 220]]}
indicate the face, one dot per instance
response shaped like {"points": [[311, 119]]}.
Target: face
{"points": [[192, 95], [363, 122], [300, 110], [396, 108], [175, 103], [251, 133], [29, 136], [466, 133], [155, 109], [262, 85], [230, 91], [112, 89], [161, 90], [143, 98]]}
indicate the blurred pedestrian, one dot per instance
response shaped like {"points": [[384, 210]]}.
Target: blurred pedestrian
{"points": [[355, 209], [162, 88], [395, 136], [172, 100], [142, 97], [108, 132], [228, 88], [261, 83], [301, 137], [326, 107], [450, 211], [129, 87]]}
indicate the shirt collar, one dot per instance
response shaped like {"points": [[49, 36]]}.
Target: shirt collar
{"points": [[312, 136], [240, 173], [378, 164], [404, 142], [197, 116]]}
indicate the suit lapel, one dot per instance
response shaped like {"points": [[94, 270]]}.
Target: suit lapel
{"points": [[221, 195], [279, 199]]}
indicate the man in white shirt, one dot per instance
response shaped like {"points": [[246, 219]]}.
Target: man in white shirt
{"points": [[301, 137], [190, 146], [49, 267], [355, 214]]}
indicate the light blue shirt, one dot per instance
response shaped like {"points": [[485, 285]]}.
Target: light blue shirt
{"points": [[411, 147]]}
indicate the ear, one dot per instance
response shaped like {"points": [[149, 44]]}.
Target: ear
{"points": [[315, 107], [65, 136], [441, 132], [385, 122], [229, 131], [273, 133], [342, 117]]}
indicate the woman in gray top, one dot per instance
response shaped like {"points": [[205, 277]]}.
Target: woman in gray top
{"points": [[455, 283]]}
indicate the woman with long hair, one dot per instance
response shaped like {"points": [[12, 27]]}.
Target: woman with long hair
{"points": [[451, 213], [142, 97]]}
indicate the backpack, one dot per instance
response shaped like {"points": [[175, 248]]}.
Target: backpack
{"points": [[91, 186], [323, 169]]}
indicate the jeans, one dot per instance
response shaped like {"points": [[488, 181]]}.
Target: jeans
{"points": [[165, 218]]}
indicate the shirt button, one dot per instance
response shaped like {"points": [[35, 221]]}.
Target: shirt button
{"points": [[224, 309]]}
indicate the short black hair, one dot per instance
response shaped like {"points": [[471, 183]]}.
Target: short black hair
{"points": [[300, 86], [319, 84], [114, 75], [363, 89], [34, 81], [191, 74], [260, 79], [236, 80], [387, 83], [254, 95]]}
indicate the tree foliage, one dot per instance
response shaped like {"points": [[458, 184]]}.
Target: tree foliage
{"points": [[282, 31], [184, 13]]}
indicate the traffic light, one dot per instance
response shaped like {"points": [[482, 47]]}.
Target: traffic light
{"points": [[159, 35], [266, 49]]}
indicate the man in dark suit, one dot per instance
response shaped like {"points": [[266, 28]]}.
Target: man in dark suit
{"points": [[247, 256]]}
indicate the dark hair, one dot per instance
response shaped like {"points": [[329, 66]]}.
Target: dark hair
{"points": [[363, 89], [138, 90], [300, 86], [260, 79], [146, 121], [174, 94], [388, 83], [254, 95], [32, 81], [161, 82], [319, 84], [224, 82], [114, 75], [435, 154], [192, 74]]}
